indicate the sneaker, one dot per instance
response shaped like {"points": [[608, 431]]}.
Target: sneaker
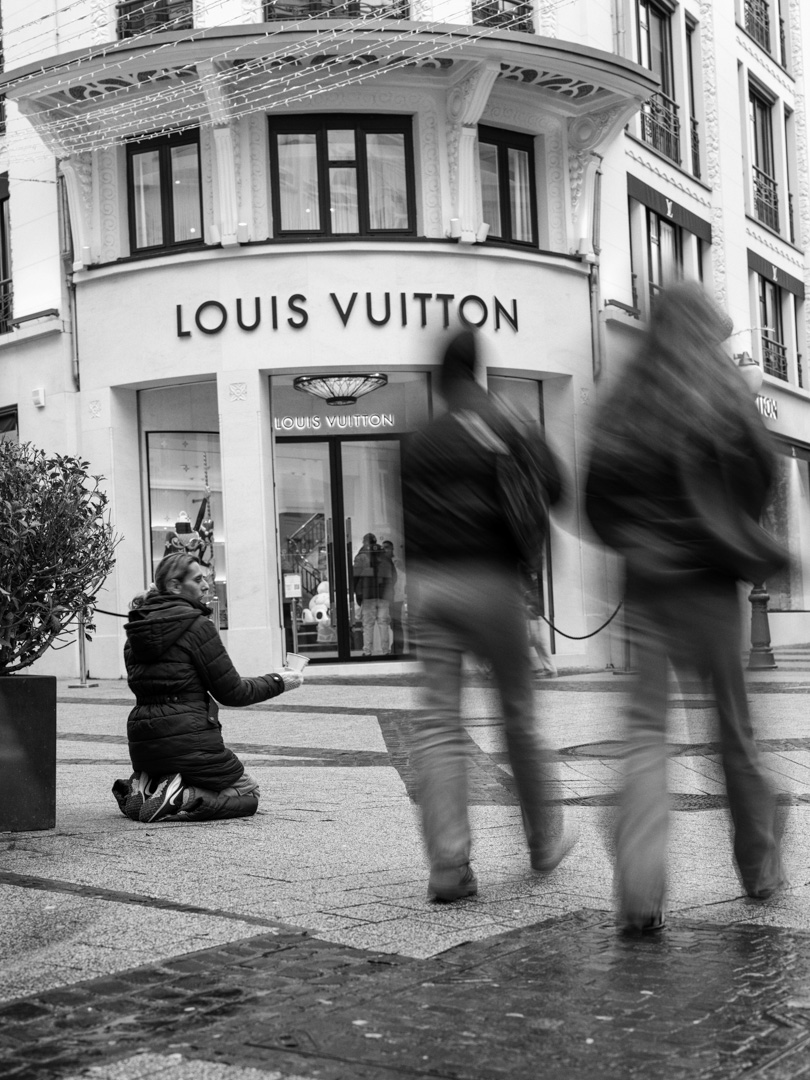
{"points": [[544, 863], [445, 886], [120, 790], [141, 787], [644, 924], [166, 800]]}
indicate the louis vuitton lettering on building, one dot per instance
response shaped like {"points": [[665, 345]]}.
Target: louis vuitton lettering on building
{"points": [[223, 239], [419, 308]]}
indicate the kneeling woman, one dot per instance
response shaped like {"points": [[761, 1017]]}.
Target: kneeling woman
{"points": [[175, 659]]}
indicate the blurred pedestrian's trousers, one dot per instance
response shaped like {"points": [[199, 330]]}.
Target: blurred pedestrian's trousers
{"points": [[474, 606], [376, 613], [697, 627]]}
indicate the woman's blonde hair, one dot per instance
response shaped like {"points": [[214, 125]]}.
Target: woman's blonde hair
{"points": [[173, 568]]}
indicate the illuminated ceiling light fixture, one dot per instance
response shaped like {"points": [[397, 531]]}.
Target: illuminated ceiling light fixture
{"points": [[340, 389]]}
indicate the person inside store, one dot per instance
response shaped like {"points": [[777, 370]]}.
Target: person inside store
{"points": [[398, 601], [373, 579], [680, 468], [466, 590], [178, 670]]}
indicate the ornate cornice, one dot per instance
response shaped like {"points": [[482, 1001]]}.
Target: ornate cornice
{"points": [[775, 72], [784, 252]]}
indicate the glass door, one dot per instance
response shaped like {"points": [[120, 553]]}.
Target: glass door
{"points": [[374, 538], [341, 532], [306, 546]]}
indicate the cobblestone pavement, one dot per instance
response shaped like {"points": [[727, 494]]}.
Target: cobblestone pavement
{"points": [[300, 943]]}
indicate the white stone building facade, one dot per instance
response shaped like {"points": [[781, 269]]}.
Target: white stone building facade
{"points": [[206, 201]]}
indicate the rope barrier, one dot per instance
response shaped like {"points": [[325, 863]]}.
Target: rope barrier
{"points": [[582, 637]]}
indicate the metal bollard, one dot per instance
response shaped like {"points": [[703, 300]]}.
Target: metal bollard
{"points": [[84, 674], [761, 656]]}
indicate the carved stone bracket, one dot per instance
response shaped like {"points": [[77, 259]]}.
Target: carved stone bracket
{"points": [[465, 104], [587, 135], [215, 90], [78, 174]]}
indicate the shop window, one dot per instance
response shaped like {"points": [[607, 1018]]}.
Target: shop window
{"points": [[787, 519], [9, 432], [508, 198], [342, 176], [164, 191], [185, 504]]}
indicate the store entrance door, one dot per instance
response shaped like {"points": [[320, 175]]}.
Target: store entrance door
{"points": [[341, 532]]}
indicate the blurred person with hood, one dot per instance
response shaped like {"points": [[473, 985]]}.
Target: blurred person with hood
{"points": [[178, 670], [467, 595], [680, 468]]}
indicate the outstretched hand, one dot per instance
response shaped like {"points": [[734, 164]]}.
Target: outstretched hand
{"points": [[291, 678]]}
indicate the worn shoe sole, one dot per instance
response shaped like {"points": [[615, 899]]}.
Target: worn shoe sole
{"points": [[161, 804], [445, 891], [650, 924], [544, 864]]}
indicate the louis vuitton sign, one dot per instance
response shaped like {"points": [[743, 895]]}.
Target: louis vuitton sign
{"points": [[297, 311]]}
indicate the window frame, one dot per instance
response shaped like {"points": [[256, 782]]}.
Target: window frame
{"points": [[163, 144], [663, 12], [504, 140], [362, 126]]}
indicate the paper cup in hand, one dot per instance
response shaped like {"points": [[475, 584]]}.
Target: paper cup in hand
{"points": [[296, 661]]}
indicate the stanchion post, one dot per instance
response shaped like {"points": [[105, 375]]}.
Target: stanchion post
{"points": [[83, 672], [761, 655]]}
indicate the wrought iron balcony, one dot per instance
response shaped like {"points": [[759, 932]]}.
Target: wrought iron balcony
{"points": [[506, 13], [661, 127], [6, 305], [150, 17], [774, 358], [758, 22], [277, 10], [766, 199], [695, 148]]}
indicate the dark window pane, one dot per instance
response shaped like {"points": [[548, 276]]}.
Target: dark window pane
{"points": [[343, 195], [490, 187]]}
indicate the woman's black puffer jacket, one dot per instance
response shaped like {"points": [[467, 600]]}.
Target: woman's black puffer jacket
{"points": [[174, 657]]}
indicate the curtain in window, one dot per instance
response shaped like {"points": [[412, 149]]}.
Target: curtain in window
{"points": [[298, 182], [186, 193], [519, 195], [146, 195], [387, 180], [670, 255], [490, 188]]}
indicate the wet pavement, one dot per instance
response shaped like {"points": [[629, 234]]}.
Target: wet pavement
{"points": [[300, 943]]}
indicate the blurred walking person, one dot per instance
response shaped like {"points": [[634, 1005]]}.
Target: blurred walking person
{"points": [[680, 469], [467, 594]]}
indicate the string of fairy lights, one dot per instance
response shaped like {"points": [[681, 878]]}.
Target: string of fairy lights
{"points": [[286, 72]]}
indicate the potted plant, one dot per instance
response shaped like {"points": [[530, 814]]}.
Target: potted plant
{"points": [[56, 550]]}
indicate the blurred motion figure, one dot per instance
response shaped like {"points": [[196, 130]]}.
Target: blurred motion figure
{"points": [[467, 595], [680, 469]]}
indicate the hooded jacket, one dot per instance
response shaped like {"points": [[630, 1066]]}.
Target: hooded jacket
{"points": [[174, 659]]}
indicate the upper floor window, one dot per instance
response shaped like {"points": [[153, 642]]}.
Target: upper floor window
{"points": [[765, 188], [664, 252], [6, 291], [151, 16], [508, 197], [164, 190], [342, 176], [506, 14], [758, 22], [660, 123], [275, 10], [9, 431], [774, 349]]}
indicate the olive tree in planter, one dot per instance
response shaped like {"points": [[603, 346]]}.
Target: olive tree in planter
{"points": [[56, 550]]}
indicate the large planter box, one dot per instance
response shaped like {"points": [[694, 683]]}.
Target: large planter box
{"points": [[27, 752]]}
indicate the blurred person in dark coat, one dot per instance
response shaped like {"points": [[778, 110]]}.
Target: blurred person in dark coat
{"points": [[467, 594], [681, 464]]}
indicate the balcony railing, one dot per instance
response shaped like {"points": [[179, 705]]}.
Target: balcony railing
{"points": [[139, 17], [766, 199], [276, 10], [6, 305], [660, 126], [505, 13], [774, 358], [695, 147], [758, 22]]}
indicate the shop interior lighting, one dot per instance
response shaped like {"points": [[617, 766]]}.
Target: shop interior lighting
{"points": [[339, 389]]}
